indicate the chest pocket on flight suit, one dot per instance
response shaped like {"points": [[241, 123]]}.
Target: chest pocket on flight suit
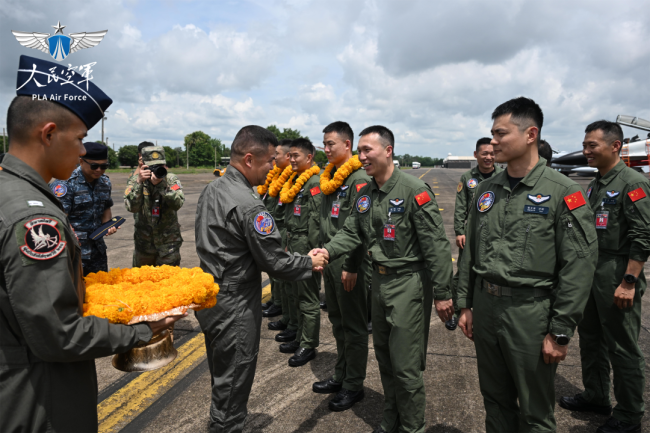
{"points": [[392, 248], [535, 233]]}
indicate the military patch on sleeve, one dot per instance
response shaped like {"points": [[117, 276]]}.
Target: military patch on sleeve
{"points": [[575, 200], [459, 188], [637, 194], [128, 190], [422, 198], [315, 190], [472, 183], [176, 186], [264, 223], [60, 190], [361, 185], [42, 239]]}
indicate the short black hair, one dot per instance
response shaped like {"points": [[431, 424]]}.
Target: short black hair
{"points": [[386, 135], [24, 113], [612, 131], [524, 111], [285, 142], [304, 144], [482, 142], [143, 145], [545, 151], [252, 139], [343, 129]]}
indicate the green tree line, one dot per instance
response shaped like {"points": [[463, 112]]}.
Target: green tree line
{"points": [[406, 160]]}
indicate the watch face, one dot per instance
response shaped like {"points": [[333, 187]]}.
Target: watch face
{"points": [[562, 340], [629, 278]]}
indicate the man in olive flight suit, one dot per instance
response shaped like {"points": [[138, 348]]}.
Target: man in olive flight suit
{"points": [[346, 278], [155, 201], [609, 330], [47, 348], [302, 221], [397, 218], [524, 279], [484, 169], [236, 240]]}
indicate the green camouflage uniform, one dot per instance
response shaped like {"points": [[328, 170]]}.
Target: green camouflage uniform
{"points": [[347, 311], [607, 333], [526, 272], [157, 234]]}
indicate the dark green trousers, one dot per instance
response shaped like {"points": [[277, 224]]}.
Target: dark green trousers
{"points": [[454, 284], [348, 314], [401, 314], [611, 335], [508, 336], [306, 300]]}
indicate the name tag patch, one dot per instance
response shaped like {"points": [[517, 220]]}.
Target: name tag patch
{"points": [[397, 209], [35, 203], [540, 210], [609, 201]]}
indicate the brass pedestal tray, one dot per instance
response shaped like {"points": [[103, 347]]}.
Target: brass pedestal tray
{"points": [[154, 354]]}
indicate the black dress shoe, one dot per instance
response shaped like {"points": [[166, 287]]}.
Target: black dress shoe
{"points": [[277, 326], [579, 404], [273, 311], [452, 324], [323, 305], [267, 305], [345, 399], [286, 336], [615, 426], [327, 386], [302, 357], [369, 327], [290, 347]]}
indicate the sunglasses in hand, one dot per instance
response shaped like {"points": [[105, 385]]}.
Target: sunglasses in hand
{"points": [[94, 166]]}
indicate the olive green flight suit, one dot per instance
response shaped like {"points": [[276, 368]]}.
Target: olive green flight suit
{"points": [[543, 254], [409, 272], [464, 196], [279, 288], [347, 311], [302, 220], [607, 333], [157, 238], [48, 381]]}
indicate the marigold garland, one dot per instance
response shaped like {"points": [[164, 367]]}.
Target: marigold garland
{"points": [[270, 177], [289, 191], [121, 294], [329, 185], [278, 183]]}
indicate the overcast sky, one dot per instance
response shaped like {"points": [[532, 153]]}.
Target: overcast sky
{"points": [[431, 71]]}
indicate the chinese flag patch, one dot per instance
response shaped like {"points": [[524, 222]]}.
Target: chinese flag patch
{"points": [[575, 200], [361, 185], [175, 187], [422, 198], [315, 190], [637, 194]]}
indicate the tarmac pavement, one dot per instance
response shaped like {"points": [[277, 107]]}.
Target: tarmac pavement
{"points": [[177, 397]]}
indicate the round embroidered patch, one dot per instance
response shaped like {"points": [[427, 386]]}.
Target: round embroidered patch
{"points": [[42, 239], [60, 190], [264, 223], [485, 202], [472, 183], [363, 204], [589, 192]]}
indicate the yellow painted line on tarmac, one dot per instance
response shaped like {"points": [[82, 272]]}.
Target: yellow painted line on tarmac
{"points": [[266, 293], [440, 209], [424, 174], [437, 193], [131, 400], [436, 187]]}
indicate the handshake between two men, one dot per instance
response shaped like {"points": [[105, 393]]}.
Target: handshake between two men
{"points": [[319, 258]]}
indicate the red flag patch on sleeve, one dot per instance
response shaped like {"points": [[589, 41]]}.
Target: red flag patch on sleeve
{"points": [[361, 185], [422, 198], [637, 194], [315, 190], [575, 200], [175, 187]]}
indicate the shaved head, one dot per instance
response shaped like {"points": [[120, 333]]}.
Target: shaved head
{"points": [[24, 114]]}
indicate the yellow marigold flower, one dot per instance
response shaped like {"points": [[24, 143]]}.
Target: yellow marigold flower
{"points": [[290, 191], [329, 185], [270, 177]]}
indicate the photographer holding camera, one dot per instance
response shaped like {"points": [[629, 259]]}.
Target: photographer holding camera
{"points": [[154, 196]]}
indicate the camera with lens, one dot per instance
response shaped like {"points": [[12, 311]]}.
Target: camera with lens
{"points": [[158, 170]]}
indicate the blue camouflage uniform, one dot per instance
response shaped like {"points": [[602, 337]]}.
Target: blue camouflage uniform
{"points": [[85, 204]]}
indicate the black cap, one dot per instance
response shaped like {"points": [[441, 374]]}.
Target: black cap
{"points": [[95, 151]]}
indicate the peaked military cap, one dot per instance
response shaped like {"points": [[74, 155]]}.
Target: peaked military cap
{"points": [[153, 155], [40, 79], [95, 151]]}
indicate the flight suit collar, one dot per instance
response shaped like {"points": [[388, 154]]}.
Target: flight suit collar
{"points": [[388, 186], [237, 176], [611, 174], [530, 179], [476, 172], [18, 168]]}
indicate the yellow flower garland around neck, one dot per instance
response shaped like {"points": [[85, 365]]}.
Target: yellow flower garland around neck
{"points": [[278, 183], [329, 185], [289, 192], [273, 174]]}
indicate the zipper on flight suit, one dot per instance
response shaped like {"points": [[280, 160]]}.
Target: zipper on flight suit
{"points": [[523, 252]]}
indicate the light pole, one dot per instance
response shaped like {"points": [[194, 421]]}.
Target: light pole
{"points": [[103, 118]]}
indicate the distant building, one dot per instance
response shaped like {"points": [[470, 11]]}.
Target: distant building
{"points": [[459, 162]]}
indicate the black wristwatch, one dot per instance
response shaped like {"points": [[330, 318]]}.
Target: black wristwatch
{"points": [[561, 339], [630, 279]]}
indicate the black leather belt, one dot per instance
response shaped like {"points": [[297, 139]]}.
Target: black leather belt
{"points": [[496, 290], [385, 270]]}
